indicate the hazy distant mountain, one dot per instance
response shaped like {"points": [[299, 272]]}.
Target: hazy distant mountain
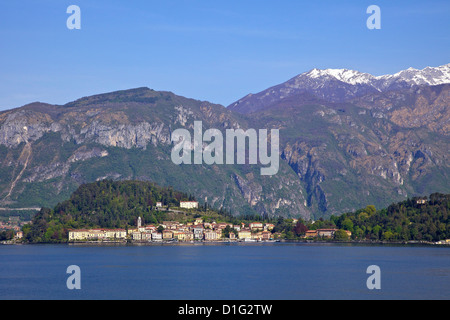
{"points": [[339, 85]]}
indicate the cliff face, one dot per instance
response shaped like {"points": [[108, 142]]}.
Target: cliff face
{"points": [[376, 149], [335, 157], [27, 126], [47, 151]]}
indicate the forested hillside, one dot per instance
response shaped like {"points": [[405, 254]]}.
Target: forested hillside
{"points": [[420, 219], [103, 204]]}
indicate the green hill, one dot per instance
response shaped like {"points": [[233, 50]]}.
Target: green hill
{"points": [[103, 204], [416, 219]]}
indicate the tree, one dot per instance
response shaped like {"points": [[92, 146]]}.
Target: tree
{"points": [[363, 216], [341, 235], [300, 229], [6, 235], [376, 232], [347, 224], [289, 235], [388, 235], [358, 233], [370, 210]]}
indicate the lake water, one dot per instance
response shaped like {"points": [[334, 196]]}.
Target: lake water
{"points": [[275, 271]]}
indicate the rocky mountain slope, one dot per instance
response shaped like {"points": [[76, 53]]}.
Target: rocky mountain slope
{"points": [[46, 151], [375, 149], [355, 138], [348, 143]]}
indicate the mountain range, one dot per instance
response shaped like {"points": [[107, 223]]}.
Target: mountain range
{"points": [[347, 140], [339, 85]]}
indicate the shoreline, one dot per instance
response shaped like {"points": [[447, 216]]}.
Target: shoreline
{"points": [[203, 242]]}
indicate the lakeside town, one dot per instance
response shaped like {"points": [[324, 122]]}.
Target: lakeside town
{"points": [[186, 222], [197, 230]]}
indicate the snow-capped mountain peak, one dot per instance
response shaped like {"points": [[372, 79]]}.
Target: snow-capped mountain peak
{"points": [[338, 85], [427, 76], [344, 75]]}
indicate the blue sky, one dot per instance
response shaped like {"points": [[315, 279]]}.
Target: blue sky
{"points": [[205, 49]]}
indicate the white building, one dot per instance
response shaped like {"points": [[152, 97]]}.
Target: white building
{"points": [[97, 234], [189, 204], [156, 236]]}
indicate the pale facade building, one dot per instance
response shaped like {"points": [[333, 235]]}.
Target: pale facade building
{"points": [[189, 204]]}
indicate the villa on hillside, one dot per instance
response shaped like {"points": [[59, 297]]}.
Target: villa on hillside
{"points": [[189, 204], [256, 226]]}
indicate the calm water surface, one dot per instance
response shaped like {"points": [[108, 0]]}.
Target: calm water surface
{"points": [[277, 271]]}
